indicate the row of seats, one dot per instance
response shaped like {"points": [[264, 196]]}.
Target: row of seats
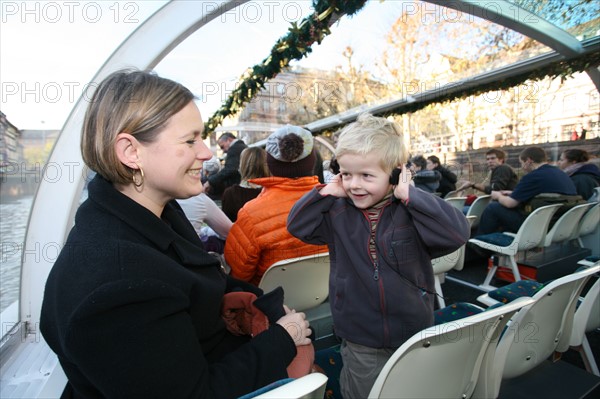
{"points": [[475, 209], [485, 354], [534, 233], [306, 278]]}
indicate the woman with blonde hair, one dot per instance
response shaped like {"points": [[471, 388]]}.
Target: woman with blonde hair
{"points": [[253, 165], [132, 306]]}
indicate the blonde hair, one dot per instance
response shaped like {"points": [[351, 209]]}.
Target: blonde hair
{"points": [[374, 134], [253, 163], [128, 101]]}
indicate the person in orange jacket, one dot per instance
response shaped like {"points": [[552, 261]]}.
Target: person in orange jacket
{"points": [[259, 237]]}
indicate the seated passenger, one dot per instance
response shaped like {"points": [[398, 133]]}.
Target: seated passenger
{"points": [[253, 165], [229, 174], [426, 180], [505, 213], [210, 168], [449, 179], [259, 237], [201, 210], [585, 176], [502, 176]]}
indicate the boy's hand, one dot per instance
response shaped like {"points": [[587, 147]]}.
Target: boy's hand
{"points": [[401, 190], [334, 188]]}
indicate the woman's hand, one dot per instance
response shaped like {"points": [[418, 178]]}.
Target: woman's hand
{"points": [[334, 187], [296, 325], [401, 189]]}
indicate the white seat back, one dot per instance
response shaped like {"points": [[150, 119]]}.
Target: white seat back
{"points": [[443, 361], [530, 234], [443, 264], [311, 386], [587, 316], [457, 202], [305, 280], [566, 227], [589, 222], [587, 319], [535, 332], [477, 207], [535, 227], [447, 262]]}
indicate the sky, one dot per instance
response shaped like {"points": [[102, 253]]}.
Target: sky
{"points": [[51, 50]]}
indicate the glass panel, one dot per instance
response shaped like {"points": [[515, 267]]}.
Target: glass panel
{"points": [[581, 18], [41, 80], [387, 51], [211, 61], [413, 47], [540, 112]]}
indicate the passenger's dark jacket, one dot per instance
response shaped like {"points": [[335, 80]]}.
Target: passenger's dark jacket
{"points": [[586, 179], [427, 180], [230, 174], [132, 308], [447, 182], [384, 304], [503, 178]]}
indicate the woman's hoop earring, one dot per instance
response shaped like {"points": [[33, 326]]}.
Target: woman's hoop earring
{"points": [[139, 183]]}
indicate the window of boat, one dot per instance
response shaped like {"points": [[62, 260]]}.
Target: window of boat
{"points": [[28, 133]]}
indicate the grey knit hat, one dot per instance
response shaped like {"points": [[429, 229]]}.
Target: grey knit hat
{"points": [[286, 151], [290, 152]]}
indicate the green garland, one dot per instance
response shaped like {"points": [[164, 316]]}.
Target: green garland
{"points": [[293, 46], [297, 43], [563, 69]]}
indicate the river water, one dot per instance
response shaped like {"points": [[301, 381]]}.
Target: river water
{"points": [[14, 213]]}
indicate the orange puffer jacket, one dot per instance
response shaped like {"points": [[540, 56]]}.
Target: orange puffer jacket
{"points": [[259, 237]]}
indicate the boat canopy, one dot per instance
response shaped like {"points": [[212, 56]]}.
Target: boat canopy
{"points": [[225, 51]]}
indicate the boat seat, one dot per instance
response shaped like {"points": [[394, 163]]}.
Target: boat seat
{"points": [[443, 264], [444, 361], [31, 370], [311, 386], [477, 207], [305, 280], [587, 319], [567, 226], [589, 223], [454, 194], [530, 235], [457, 202], [535, 333]]}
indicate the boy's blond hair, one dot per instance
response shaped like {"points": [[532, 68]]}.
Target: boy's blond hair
{"points": [[374, 134]]}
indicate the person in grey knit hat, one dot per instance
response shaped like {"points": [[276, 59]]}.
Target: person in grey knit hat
{"points": [[290, 152], [259, 236]]}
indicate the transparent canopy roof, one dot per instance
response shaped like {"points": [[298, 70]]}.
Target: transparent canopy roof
{"points": [[387, 51], [390, 55], [579, 18]]}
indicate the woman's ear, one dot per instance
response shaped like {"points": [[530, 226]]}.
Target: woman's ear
{"points": [[126, 147]]}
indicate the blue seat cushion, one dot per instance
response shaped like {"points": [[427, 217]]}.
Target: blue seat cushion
{"points": [[500, 239], [455, 311], [515, 290]]}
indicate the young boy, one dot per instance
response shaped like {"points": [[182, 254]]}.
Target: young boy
{"points": [[381, 240]]}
